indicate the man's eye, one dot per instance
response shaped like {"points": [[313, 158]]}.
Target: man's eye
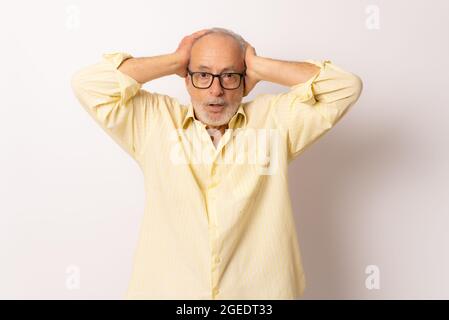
{"points": [[203, 75]]}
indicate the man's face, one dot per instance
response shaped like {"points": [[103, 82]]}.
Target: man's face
{"points": [[215, 53]]}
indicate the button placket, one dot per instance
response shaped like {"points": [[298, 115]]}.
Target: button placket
{"points": [[223, 142], [214, 176], [213, 239]]}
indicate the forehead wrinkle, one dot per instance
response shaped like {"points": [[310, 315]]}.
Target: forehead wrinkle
{"points": [[230, 68], [220, 64], [208, 52]]}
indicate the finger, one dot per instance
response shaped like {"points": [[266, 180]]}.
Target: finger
{"points": [[199, 33]]}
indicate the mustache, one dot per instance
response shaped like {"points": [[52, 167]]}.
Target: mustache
{"points": [[221, 101]]}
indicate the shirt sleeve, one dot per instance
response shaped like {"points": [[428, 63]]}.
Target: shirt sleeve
{"points": [[116, 101], [310, 109]]}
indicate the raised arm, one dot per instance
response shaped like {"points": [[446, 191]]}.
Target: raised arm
{"points": [[149, 68], [111, 93], [320, 94]]}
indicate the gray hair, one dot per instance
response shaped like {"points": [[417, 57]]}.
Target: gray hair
{"points": [[238, 38]]}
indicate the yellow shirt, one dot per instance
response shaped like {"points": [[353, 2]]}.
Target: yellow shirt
{"points": [[218, 221]]}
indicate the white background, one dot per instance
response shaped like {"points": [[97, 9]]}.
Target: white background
{"points": [[373, 191]]}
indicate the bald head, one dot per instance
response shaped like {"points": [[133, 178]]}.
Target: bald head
{"points": [[217, 52]]}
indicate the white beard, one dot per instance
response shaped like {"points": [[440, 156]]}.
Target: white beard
{"points": [[215, 120]]}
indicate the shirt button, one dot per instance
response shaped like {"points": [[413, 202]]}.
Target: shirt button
{"points": [[217, 259], [216, 291]]}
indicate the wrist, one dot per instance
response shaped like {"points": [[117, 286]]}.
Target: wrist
{"points": [[179, 63], [255, 68]]}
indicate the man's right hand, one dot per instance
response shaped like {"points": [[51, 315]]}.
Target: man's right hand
{"points": [[183, 51]]}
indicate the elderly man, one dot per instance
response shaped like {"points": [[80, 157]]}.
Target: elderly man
{"points": [[218, 222]]}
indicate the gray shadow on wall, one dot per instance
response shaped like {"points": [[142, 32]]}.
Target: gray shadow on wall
{"points": [[324, 174]]}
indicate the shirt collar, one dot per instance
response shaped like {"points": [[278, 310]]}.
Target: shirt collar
{"points": [[191, 116]]}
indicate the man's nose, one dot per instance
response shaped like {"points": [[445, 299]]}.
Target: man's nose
{"points": [[215, 88]]}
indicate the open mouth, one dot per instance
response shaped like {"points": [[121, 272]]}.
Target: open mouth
{"points": [[215, 107]]}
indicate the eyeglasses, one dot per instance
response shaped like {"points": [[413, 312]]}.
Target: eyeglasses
{"points": [[228, 80]]}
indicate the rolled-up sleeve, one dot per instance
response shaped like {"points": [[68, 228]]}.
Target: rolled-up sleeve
{"points": [[115, 100], [310, 109]]}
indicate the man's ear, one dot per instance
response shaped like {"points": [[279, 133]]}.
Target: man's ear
{"points": [[187, 82]]}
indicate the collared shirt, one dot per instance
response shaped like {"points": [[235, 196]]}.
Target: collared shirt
{"points": [[218, 221]]}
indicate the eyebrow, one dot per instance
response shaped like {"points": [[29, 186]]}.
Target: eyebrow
{"points": [[231, 68]]}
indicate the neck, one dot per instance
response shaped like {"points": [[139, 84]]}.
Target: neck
{"points": [[221, 128]]}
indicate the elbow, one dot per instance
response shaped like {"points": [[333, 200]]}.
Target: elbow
{"points": [[356, 86], [80, 89], [75, 82]]}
